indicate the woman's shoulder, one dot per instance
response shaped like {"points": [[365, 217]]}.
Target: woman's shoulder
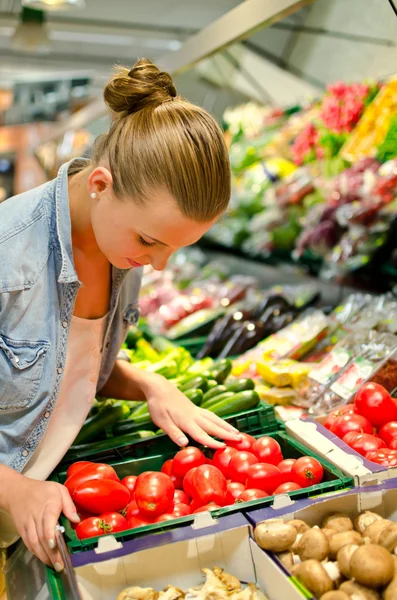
{"points": [[25, 238]]}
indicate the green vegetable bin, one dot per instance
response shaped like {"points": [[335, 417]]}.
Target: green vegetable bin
{"points": [[334, 480], [257, 421]]}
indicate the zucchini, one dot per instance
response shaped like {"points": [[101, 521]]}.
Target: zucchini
{"points": [[215, 391], [215, 400], [240, 385], [132, 425], [221, 370], [198, 382], [131, 437], [95, 425], [238, 403], [211, 383], [141, 410], [195, 396]]}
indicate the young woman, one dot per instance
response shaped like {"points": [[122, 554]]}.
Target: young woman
{"points": [[71, 253]]}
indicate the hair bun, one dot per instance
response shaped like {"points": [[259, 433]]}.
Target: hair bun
{"points": [[144, 85]]}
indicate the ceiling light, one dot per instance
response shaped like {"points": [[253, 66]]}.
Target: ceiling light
{"points": [[31, 35], [54, 4]]}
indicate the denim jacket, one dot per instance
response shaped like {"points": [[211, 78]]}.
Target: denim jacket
{"points": [[38, 288]]}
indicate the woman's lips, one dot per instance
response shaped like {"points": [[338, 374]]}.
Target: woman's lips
{"points": [[133, 263]]}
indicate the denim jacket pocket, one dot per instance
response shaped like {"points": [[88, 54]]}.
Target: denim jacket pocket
{"points": [[21, 367]]}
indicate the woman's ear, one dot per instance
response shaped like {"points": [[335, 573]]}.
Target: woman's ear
{"points": [[100, 180]]}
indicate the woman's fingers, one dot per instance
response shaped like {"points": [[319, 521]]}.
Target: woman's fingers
{"points": [[33, 543], [223, 429], [49, 523], [197, 432]]}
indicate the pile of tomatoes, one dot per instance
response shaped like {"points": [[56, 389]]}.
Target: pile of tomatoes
{"points": [[369, 425], [189, 483]]}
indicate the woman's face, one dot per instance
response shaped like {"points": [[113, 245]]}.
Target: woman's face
{"points": [[130, 235]]}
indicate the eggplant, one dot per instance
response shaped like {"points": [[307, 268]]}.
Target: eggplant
{"points": [[221, 333], [245, 337], [268, 302]]}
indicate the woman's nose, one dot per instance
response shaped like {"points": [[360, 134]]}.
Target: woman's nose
{"points": [[159, 261]]}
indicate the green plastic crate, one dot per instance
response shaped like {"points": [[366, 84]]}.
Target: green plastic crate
{"points": [[193, 345], [257, 421], [334, 480]]}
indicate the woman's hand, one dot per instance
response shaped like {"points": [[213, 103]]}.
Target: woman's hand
{"points": [[34, 507], [175, 414]]}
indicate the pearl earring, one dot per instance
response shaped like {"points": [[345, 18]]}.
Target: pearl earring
{"points": [[93, 195]]}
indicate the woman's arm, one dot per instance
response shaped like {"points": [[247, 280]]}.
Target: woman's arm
{"points": [[169, 409]]}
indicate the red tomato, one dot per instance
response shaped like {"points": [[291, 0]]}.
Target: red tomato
{"points": [[210, 506], [288, 486], [222, 458], [209, 485], [165, 517], [239, 465], [285, 467], [351, 422], [132, 510], [264, 477], [88, 473], [375, 403], [181, 510], [130, 483], [209, 461], [101, 495], [384, 456], [180, 497], [167, 467], [393, 444], [363, 442], [187, 482], [83, 514], [252, 494], [76, 467], [187, 459], [244, 444], [114, 522], [154, 493], [343, 410], [388, 431], [91, 527], [233, 491], [307, 471], [139, 522], [267, 450]]}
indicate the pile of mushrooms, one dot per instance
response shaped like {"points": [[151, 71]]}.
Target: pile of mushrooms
{"points": [[342, 560], [218, 585]]}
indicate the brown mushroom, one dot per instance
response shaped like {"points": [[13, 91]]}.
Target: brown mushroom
{"points": [[335, 595], [338, 521], [365, 519], [374, 530], [358, 592], [328, 532], [343, 539], [313, 544], [286, 558], [372, 566], [299, 525], [275, 535], [314, 577], [344, 556], [388, 537], [390, 593]]}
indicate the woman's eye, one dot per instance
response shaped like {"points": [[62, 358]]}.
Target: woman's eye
{"points": [[144, 242]]}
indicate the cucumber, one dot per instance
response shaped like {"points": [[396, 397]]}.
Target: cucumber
{"points": [[240, 386], [221, 370], [237, 403], [130, 437], [195, 383], [215, 391], [195, 396], [217, 399], [138, 408], [95, 425], [183, 379]]}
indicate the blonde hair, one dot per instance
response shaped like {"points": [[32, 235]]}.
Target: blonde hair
{"points": [[159, 140]]}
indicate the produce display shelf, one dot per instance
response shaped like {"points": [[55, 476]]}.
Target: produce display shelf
{"points": [[334, 481], [257, 421]]}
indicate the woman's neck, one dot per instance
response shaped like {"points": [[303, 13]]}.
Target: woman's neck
{"points": [[80, 204]]}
